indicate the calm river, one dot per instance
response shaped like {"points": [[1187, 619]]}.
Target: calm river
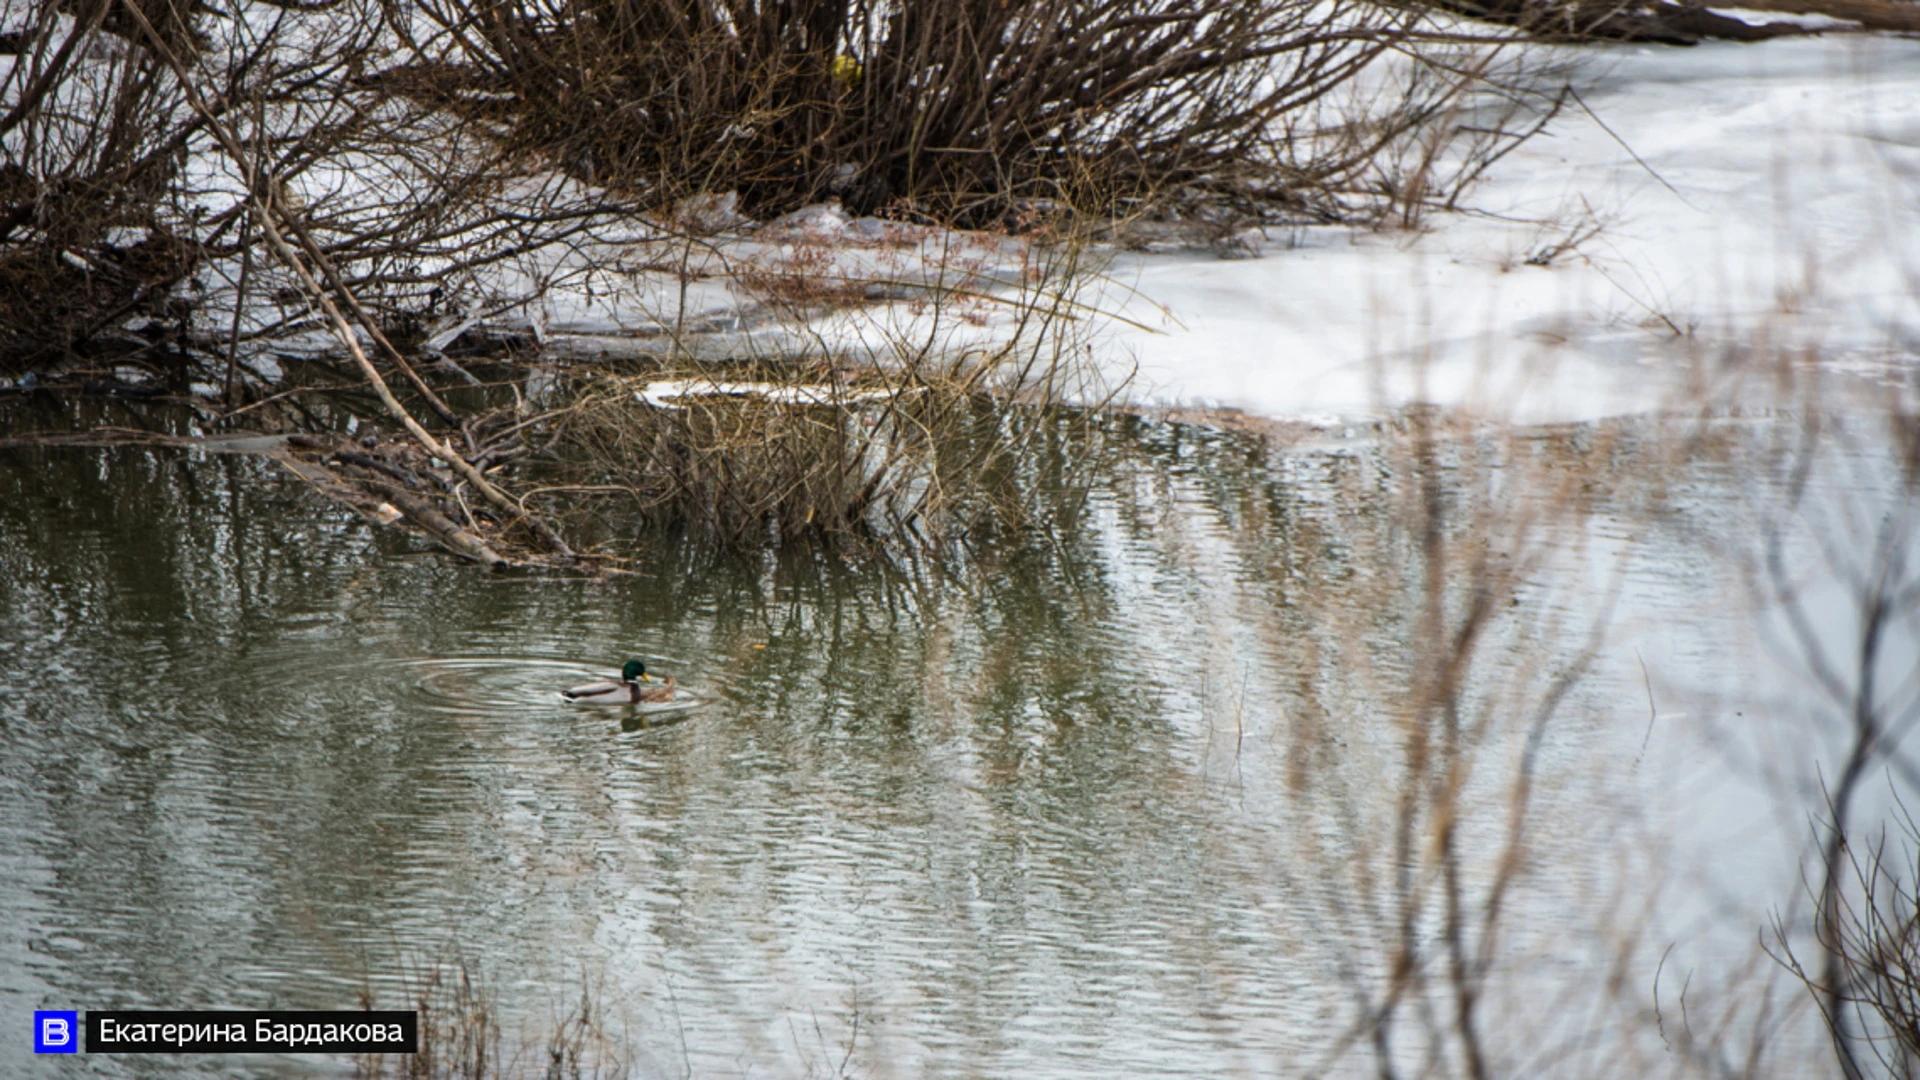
{"points": [[1122, 799]]}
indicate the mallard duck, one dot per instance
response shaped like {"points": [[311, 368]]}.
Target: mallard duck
{"points": [[627, 691]]}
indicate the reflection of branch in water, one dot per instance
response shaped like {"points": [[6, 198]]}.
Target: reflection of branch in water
{"points": [[1850, 987]]}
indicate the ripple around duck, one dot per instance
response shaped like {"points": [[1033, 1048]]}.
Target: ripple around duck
{"points": [[642, 717], [470, 685]]}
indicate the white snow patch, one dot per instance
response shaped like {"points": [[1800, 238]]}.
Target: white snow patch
{"points": [[1691, 203], [1776, 199]]}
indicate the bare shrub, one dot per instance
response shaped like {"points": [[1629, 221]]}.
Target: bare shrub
{"points": [[93, 132], [419, 145], [1868, 981], [952, 110], [121, 197], [1864, 882]]}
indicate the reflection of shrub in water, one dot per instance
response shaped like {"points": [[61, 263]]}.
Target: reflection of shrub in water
{"points": [[894, 458]]}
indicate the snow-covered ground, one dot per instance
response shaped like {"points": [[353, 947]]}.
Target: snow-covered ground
{"points": [[1688, 209], [1700, 202], [1688, 206]]}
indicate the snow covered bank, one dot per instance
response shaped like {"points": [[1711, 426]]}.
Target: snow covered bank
{"points": [[1691, 207], [1701, 200], [1687, 205]]}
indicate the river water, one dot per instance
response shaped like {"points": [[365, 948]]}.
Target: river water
{"points": [[1118, 798]]}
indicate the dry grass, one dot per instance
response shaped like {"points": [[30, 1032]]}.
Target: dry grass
{"points": [[461, 1036]]}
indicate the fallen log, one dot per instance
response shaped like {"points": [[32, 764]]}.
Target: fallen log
{"points": [[381, 500], [1649, 21], [1889, 15], [452, 536]]}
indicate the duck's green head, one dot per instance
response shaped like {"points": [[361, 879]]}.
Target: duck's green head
{"points": [[635, 671]]}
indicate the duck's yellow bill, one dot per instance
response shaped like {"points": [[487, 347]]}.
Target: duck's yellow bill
{"points": [[644, 677]]}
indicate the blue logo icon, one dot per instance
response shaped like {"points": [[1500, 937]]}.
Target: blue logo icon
{"points": [[56, 1032]]}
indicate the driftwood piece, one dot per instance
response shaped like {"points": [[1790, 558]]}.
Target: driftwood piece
{"points": [[443, 528], [366, 490], [1661, 23], [1896, 16]]}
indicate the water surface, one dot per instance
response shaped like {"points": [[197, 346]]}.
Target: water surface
{"points": [[1115, 800]]}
